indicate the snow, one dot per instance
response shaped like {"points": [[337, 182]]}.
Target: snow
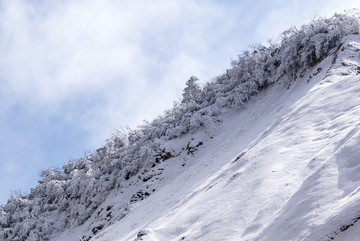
{"points": [[285, 168]]}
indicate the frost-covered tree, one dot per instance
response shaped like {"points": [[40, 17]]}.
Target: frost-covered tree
{"points": [[192, 90]]}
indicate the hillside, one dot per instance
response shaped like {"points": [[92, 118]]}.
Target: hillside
{"points": [[267, 151], [285, 168]]}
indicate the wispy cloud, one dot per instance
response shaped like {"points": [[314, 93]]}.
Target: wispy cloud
{"points": [[297, 13], [116, 52]]}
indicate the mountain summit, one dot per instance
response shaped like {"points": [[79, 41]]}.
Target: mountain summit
{"points": [[269, 151]]}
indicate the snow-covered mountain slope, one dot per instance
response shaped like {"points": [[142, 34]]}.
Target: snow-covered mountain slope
{"points": [[265, 151], [285, 168]]}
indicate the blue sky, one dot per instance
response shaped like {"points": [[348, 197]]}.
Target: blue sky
{"points": [[71, 72]]}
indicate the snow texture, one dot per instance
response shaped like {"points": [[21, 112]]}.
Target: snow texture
{"points": [[286, 168]]}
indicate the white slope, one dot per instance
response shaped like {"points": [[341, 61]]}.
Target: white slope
{"points": [[285, 168]]}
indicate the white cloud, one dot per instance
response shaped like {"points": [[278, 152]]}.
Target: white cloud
{"points": [[297, 13], [56, 53]]}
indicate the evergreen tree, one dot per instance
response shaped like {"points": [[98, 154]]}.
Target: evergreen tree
{"points": [[192, 90]]}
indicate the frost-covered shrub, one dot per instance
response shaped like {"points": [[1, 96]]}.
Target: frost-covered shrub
{"points": [[68, 197]]}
